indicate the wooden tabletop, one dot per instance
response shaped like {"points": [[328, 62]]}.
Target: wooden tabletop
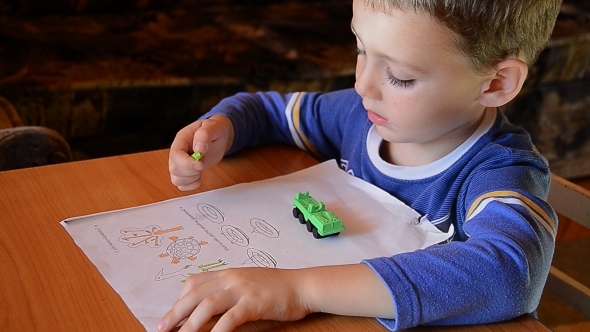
{"points": [[48, 284]]}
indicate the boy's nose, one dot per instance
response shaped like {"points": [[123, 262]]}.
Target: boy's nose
{"points": [[365, 84]]}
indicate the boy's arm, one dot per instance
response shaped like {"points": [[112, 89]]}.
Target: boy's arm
{"points": [[496, 275], [236, 122], [304, 119], [243, 120], [257, 118], [247, 294]]}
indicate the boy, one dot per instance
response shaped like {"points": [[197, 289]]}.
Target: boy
{"points": [[423, 123]]}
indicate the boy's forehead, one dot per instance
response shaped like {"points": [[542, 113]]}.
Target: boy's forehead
{"points": [[400, 35]]}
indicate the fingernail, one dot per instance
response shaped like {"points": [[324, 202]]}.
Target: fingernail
{"points": [[161, 325], [200, 147]]}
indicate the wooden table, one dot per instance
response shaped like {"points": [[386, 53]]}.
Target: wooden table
{"points": [[48, 284]]}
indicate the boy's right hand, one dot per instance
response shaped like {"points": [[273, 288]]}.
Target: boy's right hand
{"points": [[212, 137]]}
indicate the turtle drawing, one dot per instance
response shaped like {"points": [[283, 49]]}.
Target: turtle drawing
{"points": [[185, 248]]}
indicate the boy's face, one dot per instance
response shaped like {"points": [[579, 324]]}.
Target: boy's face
{"points": [[415, 85]]}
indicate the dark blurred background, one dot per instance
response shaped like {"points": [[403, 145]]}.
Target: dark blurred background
{"points": [[116, 77]]}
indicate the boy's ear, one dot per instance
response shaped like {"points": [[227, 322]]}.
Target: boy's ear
{"points": [[504, 84]]}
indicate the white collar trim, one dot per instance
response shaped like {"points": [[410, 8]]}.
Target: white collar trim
{"points": [[374, 141]]}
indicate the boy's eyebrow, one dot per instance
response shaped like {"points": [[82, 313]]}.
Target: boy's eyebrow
{"points": [[390, 59], [401, 63]]}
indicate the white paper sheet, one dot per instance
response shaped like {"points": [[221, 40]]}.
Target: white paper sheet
{"points": [[145, 253]]}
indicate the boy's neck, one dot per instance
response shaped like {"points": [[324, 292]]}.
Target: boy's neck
{"points": [[418, 154]]}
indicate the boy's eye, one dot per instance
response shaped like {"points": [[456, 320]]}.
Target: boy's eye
{"points": [[358, 51], [397, 82]]}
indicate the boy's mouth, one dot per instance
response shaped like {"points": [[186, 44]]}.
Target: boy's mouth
{"points": [[376, 118]]}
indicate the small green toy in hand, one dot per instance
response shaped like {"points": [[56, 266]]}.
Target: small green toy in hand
{"points": [[197, 155]]}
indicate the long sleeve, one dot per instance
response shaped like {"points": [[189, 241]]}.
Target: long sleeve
{"points": [[498, 273], [313, 121]]}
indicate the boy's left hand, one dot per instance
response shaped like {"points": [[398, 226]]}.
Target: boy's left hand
{"points": [[243, 294]]}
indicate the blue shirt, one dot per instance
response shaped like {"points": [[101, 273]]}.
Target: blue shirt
{"points": [[492, 189]]}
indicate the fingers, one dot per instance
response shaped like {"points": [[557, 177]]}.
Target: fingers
{"points": [[196, 281], [184, 138], [185, 172], [233, 318], [201, 298], [215, 293], [182, 164], [242, 295], [210, 306], [210, 137], [205, 302], [210, 133]]}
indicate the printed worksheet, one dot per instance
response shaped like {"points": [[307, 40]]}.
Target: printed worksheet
{"points": [[146, 253]]}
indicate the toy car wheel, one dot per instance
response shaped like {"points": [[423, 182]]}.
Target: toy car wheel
{"points": [[295, 212], [316, 234], [301, 219], [309, 226]]}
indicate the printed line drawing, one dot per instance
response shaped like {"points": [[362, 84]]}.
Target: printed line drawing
{"points": [[235, 235], [151, 236], [262, 227], [211, 212], [260, 258], [211, 266], [185, 270], [186, 248]]}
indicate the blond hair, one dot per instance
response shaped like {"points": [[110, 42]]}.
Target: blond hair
{"points": [[488, 31]]}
